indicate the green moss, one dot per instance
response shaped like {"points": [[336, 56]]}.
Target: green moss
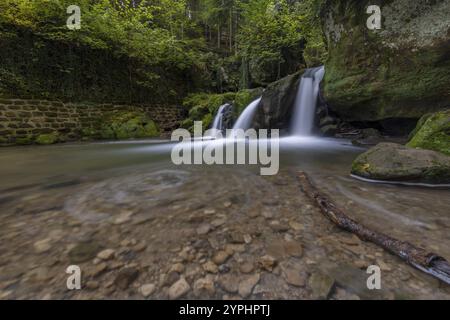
{"points": [[433, 133], [24, 140], [122, 125], [49, 138]]}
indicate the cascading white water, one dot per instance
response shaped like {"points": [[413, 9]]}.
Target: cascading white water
{"points": [[218, 120], [246, 118], [305, 103]]}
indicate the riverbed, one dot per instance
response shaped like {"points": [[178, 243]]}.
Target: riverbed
{"points": [[140, 227]]}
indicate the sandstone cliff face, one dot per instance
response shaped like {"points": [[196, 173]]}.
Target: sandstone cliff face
{"points": [[398, 72]]}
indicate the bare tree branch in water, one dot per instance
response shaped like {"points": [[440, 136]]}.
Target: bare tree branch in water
{"points": [[419, 258]]}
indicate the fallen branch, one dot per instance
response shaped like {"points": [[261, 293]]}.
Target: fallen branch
{"points": [[417, 257]]}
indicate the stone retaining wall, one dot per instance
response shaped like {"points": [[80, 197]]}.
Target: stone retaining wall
{"points": [[21, 121]]}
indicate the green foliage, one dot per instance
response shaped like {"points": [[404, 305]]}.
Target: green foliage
{"points": [[49, 138]]}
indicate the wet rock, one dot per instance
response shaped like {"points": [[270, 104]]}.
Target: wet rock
{"points": [[170, 278], [293, 274], [321, 285], [177, 267], [204, 229], [394, 162], [277, 226], [123, 217], [210, 267], [92, 285], [267, 262], [126, 277], [246, 267], [204, 287], [106, 254], [229, 283], [218, 222], [141, 246], [247, 284], [42, 246], [147, 289], [351, 241], [293, 249], [221, 257], [98, 269], [383, 266], [178, 289], [84, 251], [296, 226]]}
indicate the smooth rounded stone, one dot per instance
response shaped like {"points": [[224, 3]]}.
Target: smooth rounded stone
{"points": [[229, 282], [92, 285], [267, 213], [204, 229], [41, 274], [296, 226], [342, 294], [126, 277], [106, 254], [97, 270], [179, 289], [147, 289], [321, 285], [351, 241], [395, 162], [218, 222], [123, 217], [253, 213], [83, 251], [361, 264], [42, 246], [177, 267], [277, 226], [210, 267], [383, 266], [267, 262], [247, 284], [141, 246], [227, 204], [293, 274], [204, 287], [293, 249], [246, 267], [247, 238], [220, 257], [170, 278]]}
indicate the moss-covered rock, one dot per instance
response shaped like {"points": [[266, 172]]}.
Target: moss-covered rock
{"points": [[433, 132], [395, 162], [399, 71], [48, 138], [123, 125]]}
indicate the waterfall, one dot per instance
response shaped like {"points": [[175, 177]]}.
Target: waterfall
{"points": [[218, 120], [246, 118], [305, 103]]}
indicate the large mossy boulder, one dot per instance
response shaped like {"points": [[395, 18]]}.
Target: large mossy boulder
{"points": [[395, 162], [128, 125], [275, 109], [398, 72], [433, 132]]}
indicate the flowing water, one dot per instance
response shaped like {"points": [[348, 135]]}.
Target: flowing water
{"points": [[245, 120], [305, 103], [128, 196]]}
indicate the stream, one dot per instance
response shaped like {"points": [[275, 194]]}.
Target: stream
{"points": [[224, 231]]}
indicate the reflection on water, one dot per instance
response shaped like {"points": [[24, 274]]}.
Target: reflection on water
{"points": [[102, 185]]}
